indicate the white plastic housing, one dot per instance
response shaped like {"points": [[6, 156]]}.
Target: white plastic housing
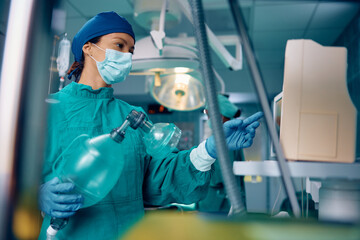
{"points": [[318, 120]]}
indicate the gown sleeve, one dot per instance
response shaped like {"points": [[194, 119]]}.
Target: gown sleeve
{"points": [[174, 180], [52, 146]]}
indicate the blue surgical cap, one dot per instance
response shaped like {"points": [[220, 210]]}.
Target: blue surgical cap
{"points": [[102, 24]]}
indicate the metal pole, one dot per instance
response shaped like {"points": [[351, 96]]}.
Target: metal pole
{"points": [[232, 189], [259, 85]]}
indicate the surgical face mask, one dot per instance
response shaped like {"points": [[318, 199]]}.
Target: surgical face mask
{"points": [[115, 67]]}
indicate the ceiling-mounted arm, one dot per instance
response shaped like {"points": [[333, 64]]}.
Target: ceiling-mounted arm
{"points": [[221, 81], [159, 36], [162, 17], [229, 61]]}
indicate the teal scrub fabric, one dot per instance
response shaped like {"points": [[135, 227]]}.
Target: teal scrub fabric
{"points": [[78, 109], [216, 199]]}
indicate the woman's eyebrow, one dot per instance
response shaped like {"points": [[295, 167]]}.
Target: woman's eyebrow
{"points": [[133, 47], [121, 39]]}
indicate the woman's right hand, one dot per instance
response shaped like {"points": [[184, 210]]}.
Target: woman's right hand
{"points": [[55, 200]]}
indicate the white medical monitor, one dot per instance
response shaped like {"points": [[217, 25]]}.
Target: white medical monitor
{"points": [[317, 116]]}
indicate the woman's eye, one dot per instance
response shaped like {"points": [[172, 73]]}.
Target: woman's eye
{"points": [[120, 45]]}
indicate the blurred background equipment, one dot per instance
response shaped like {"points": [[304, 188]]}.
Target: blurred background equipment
{"points": [[26, 49], [63, 59]]}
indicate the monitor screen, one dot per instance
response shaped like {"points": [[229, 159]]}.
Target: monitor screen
{"points": [[277, 118]]}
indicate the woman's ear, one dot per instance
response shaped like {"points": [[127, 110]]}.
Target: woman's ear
{"points": [[87, 48]]}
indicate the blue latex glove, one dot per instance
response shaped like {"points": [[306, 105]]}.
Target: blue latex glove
{"points": [[238, 133], [54, 200]]}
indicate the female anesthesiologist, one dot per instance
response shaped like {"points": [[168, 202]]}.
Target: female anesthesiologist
{"points": [[102, 49]]}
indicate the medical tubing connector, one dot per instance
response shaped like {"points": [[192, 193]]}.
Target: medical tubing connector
{"points": [[135, 119], [232, 189], [118, 134], [61, 83], [56, 224], [51, 233], [138, 119]]}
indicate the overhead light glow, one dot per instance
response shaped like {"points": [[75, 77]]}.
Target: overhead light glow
{"points": [[182, 70], [181, 92], [182, 79]]}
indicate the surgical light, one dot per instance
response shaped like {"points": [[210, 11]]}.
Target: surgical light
{"points": [[179, 91], [165, 58], [176, 84], [173, 59]]}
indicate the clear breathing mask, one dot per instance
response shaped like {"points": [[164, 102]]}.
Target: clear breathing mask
{"points": [[160, 139]]}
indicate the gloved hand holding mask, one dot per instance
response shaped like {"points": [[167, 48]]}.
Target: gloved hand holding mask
{"points": [[55, 200], [238, 133]]}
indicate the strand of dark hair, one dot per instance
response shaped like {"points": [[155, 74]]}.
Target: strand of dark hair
{"points": [[79, 66]]}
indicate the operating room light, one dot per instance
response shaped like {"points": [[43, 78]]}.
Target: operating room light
{"points": [[174, 59], [182, 79], [164, 57], [181, 85], [179, 91], [176, 84]]}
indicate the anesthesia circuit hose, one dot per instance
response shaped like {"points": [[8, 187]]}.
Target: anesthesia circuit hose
{"points": [[232, 188]]}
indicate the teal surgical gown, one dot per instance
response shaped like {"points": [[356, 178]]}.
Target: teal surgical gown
{"points": [[78, 109]]}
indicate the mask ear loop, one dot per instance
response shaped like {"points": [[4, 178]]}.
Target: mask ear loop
{"points": [[92, 58], [98, 48]]}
